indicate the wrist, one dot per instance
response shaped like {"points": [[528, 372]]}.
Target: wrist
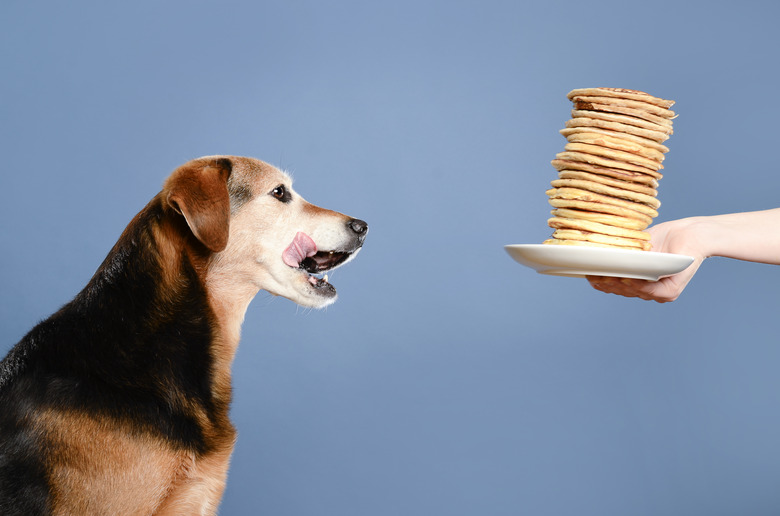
{"points": [[701, 236], [741, 236]]}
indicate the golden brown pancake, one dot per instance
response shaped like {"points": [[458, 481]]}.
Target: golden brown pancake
{"points": [[634, 105], [621, 93], [631, 121], [644, 142], [635, 113], [617, 144], [585, 243], [601, 218], [600, 188], [606, 162], [585, 195], [601, 208], [616, 155], [617, 183], [596, 227], [625, 175], [599, 238]]}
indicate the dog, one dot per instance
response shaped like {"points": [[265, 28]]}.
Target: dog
{"points": [[118, 403]]}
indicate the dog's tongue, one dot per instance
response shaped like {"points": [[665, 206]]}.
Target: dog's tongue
{"points": [[301, 247]]}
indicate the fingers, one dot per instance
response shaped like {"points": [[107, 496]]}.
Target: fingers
{"points": [[661, 291]]}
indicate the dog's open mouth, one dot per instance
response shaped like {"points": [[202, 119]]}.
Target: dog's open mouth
{"points": [[303, 254]]}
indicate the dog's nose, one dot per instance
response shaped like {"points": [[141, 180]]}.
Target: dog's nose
{"points": [[358, 226]]}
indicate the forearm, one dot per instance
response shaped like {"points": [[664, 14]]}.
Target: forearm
{"points": [[751, 236]]}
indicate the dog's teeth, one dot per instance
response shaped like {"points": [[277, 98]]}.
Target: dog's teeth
{"points": [[325, 278]]}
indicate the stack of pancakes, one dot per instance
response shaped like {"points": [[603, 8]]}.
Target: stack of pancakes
{"points": [[606, 191]]}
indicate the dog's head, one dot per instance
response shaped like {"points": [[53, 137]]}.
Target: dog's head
{"points": [[259, 233]]}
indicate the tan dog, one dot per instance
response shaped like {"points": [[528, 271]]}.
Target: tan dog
{"points": [[118, 403]]}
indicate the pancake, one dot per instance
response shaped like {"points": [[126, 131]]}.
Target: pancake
{"points": [[617, 144], [587, 236], [606, 162], [585, 195], [621, 93], [624, 120], [644, 142], [625, 103], [596, 227], [625, 175], [636, 113], [600, 188], [617, 155], [585, 243], [617, 183], [601, 218], [601, 207], [657, 136]]}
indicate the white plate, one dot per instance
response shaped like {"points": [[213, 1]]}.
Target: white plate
{"points": [[579, 261]]}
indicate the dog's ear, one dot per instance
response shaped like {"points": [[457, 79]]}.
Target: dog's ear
{"points": [[198, 191]]}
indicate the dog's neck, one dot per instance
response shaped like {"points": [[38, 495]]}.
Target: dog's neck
{"points": [[187, 289], [229, 299], [175, 283]]}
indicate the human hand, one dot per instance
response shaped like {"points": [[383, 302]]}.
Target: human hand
{"points": [[669, 237]]}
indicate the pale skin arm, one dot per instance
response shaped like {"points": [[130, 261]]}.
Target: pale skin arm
{"points": [[750, 236]]}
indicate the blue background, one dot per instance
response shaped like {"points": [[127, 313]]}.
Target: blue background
{"points": [[447, 379]]}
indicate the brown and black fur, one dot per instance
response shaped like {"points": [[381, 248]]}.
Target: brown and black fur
{"points": [[118, 403]]}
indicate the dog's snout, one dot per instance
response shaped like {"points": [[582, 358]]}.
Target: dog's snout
{"points": [[358, 226]]}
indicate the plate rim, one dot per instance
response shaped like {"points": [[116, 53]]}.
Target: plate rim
{"points": [[652, 272]]}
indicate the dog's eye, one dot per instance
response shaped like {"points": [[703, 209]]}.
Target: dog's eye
{"points": [[281, 193]]}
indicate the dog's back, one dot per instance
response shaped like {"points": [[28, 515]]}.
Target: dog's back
{"points": [[23, 482]]}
